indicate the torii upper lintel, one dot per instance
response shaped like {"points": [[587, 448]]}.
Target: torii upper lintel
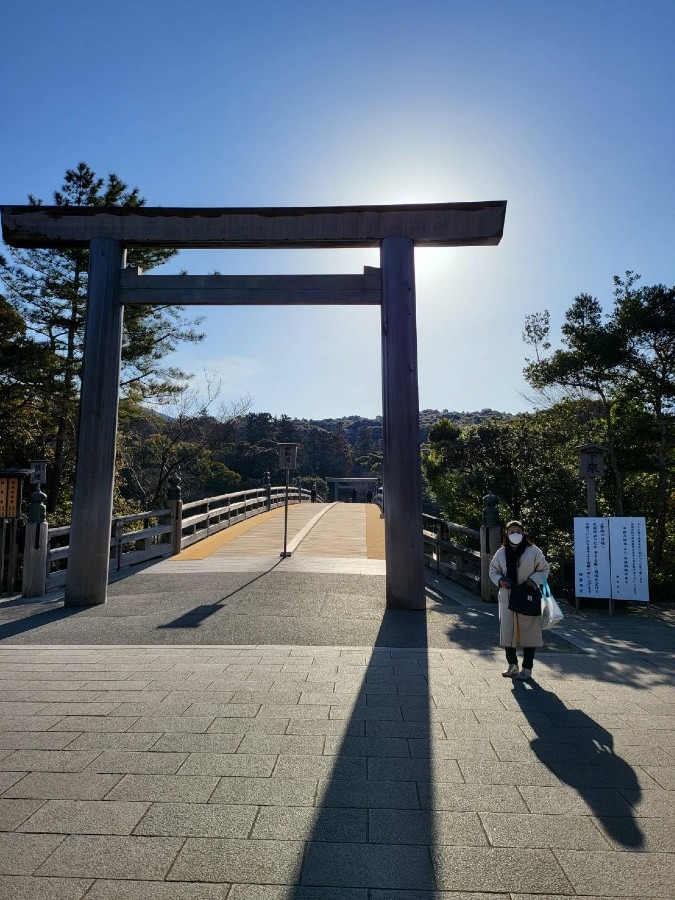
{"points": [[427, 224]]}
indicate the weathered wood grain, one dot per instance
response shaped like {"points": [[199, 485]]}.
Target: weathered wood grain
{"points": [[251, 290], [87, 579], [431, 225], [400, 418]]}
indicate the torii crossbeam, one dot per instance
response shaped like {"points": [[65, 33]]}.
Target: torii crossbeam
{"points": [[108, 231]]}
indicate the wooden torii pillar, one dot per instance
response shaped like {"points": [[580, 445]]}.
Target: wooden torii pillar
{"points": [[108, 231]]}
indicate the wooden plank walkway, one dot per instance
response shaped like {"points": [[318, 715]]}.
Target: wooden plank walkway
{"points": [[335, 537]]}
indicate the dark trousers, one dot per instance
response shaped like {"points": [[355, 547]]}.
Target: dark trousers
{"points": [[528, 656]]}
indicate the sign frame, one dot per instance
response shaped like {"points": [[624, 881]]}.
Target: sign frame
{"points": [[11, 492], [610, 559], [288, 456]]}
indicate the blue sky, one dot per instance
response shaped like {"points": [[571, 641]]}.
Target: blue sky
{"points": [[563, 109]]}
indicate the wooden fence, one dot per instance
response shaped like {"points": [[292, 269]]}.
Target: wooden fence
{"points": [[153, 534], [458, 559]]}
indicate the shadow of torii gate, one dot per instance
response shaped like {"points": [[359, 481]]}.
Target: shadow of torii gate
{"points": [[108, 231]]}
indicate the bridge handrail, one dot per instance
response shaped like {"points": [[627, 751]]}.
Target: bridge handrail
{"points": [[130, 546], [444, 525], [457, 562], [213, 514], [127, 547]]}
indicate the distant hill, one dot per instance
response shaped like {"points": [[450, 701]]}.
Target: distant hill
{"points": [[352, 424]]}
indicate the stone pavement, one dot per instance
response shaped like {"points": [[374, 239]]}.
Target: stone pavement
{"points": [[338, 752]]}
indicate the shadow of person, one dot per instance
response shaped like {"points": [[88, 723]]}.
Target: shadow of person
{"points": [[580, 752]]}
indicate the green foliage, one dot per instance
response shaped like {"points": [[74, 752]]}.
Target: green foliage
{"points": [[29, 373], [624, 361], [47, 289], [529, 462]]}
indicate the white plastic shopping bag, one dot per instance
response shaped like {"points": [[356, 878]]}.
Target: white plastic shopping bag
{"points": [[551, 614]]}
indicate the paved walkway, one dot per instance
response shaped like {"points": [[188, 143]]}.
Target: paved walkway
{"points": [[147, 751]]}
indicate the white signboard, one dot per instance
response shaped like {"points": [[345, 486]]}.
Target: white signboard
{"points": [[288, 455], [628, 539], [610, 558], [591, 558], [39, 473]]}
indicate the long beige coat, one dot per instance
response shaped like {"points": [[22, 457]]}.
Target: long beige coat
{"points": [[515, 629]]}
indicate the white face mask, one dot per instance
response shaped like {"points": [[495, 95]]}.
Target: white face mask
{"points": [[515, 538]]}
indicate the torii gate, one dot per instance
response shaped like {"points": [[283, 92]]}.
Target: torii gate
{"points": [[108, 231]]}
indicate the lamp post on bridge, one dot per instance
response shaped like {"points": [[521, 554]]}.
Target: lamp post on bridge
{"points": [[288, 459]]}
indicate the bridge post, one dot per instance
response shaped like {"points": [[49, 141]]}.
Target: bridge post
{"points": [[400, 412], [490, 540], [89, 555], [268, 491], [35, 548]]}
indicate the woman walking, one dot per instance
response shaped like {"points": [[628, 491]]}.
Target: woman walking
{"points": [[518, 561]]}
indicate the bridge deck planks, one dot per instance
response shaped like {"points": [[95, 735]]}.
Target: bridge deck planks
{"points": [[343, 531]]}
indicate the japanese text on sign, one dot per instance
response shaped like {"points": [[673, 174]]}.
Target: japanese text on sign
{"points": [[592, 559], [10, 497], [610, 558], [628, 539], [288, 454]]}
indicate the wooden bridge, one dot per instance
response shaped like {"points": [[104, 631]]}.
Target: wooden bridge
{"points": [[332, 537], [246, 531]]}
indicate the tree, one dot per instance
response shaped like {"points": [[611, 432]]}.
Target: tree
{"points": [[529, 461], [625, 361], [646, 318], [49, 289], [590, 365], [27, 370], [187, 437], [340, 453], [260, 427]]}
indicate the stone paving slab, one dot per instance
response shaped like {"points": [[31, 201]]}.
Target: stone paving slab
{"points": [[154, 890], [368, 865], [84, 817], [111, 856], [496, 869], [21, 853], [256, 862], [19, 887]]}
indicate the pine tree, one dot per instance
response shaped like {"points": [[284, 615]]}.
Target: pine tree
{"points": [[48, 288]]}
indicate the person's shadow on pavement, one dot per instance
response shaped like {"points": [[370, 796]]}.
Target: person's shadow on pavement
{"points": [[580, 752]]}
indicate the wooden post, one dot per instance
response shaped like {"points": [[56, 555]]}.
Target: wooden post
{"points": [[35, 560], [490, 542], [400, 412], [89, 556], [35, 547], [268, 491]]}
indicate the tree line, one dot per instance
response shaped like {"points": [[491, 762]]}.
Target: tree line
{"points": [[610, 382]]}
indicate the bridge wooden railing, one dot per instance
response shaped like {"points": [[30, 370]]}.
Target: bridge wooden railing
{"points": [[209, 516], [159, 533], [457, 552], [459, 560]]}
